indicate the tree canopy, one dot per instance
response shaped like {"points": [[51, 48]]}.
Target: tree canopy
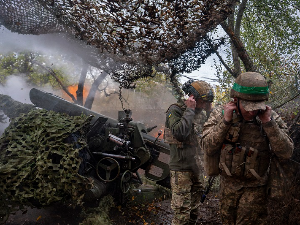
{"points": [[263, 36]]}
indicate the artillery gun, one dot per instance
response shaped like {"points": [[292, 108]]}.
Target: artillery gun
{"points": [[116, 148], [98, 155]]}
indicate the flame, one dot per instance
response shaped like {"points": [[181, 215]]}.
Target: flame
{"points": [[155, 133], [72, 89]]}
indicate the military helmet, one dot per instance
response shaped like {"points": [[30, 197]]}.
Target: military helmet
{"points": [[198, 88], [250, 86]]}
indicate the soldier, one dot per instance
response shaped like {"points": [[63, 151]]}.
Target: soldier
{"points": [[184, 124], [243, 135]]}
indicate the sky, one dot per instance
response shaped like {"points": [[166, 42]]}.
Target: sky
{"points": [[206, 72]]}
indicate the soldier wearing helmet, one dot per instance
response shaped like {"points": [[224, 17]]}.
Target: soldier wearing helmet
{"points": [[242, 135], [183, 132]]}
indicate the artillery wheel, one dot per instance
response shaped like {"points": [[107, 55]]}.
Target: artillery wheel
{"points": [[108, 169], [124, 183]]}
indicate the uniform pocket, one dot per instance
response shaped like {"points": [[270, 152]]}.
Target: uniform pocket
{"points": [[252, 164], [238, 161], [226, 159]]}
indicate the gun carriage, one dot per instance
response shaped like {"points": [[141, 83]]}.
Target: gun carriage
{"points": [[58, 151], [117, 149]]}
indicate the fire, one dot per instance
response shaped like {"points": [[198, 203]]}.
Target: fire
{"points": [[156, 133], [72, 89]]}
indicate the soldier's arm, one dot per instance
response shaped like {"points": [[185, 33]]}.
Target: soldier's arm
{"points": [[277, 132], [214, 132], [181, 124]]}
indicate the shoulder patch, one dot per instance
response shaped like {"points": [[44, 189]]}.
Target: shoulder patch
{"points": [[173, 106]]}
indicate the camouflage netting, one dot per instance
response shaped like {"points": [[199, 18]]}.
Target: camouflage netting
{"points": [[132, 34], [38, 162], [100, 214], [154, 30]]}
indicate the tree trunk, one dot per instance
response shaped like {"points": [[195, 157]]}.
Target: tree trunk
{"points": [[241, 51], [79, 92], [235, 57], [90, 98]]}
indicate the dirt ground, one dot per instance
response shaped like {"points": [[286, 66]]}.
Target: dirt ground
{"points": [[160, 213], [135, 212]]}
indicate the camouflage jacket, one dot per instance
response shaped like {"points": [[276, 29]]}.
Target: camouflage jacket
{"points": [[185, 129], [262, 138]]}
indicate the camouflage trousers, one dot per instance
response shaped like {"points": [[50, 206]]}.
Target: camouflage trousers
{"points": [[187, 190], [247, 205]]}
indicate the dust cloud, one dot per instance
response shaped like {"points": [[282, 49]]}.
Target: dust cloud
{"points": [[148, 109]]}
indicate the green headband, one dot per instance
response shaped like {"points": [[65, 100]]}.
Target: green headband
{"points": [[250, 90]]}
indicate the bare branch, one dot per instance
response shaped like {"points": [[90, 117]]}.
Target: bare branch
{"points": [[239, 17], [52, 73], [90, 98], [221, 59], [242, 53]]}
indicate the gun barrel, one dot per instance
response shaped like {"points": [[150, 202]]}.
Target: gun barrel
{"points": [[50, 101], [153, 142]]}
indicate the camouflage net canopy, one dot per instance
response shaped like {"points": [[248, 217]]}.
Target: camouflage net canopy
{"points": [[133, 33], [39, 163]]}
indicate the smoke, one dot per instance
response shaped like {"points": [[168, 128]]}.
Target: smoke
{"points": [[17, 88], [53, 45], [149, 110], [148, 107], [3, 125], [44, 43]]}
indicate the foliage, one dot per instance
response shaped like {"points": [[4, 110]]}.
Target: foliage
{"points": [[7, 66], [100, 214], [225, 80], [156, 90], [33, 67], [146, 85], [270, 31]]}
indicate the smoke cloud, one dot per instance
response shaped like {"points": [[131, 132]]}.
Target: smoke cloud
{"points": [[17, 89], [149, 110]]}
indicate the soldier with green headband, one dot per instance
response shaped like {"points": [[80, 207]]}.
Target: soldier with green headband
{"points": [[242, 135]]}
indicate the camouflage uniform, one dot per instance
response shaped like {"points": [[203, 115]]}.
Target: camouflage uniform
{"points": [[185, 126], [244, 165]]}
